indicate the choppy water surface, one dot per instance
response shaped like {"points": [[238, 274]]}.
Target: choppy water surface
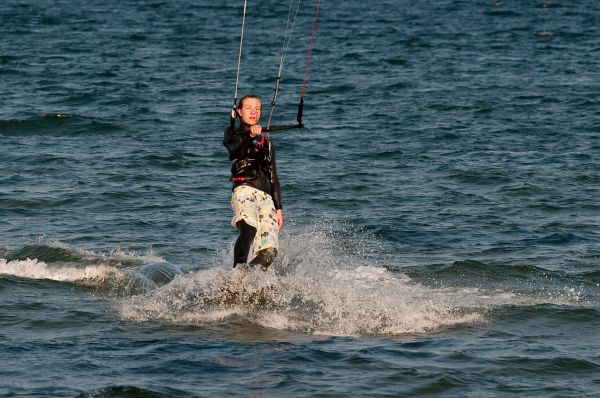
{"points": [[441, 208]]}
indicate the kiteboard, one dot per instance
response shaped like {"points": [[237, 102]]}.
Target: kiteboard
{"points": [[246, 286]]}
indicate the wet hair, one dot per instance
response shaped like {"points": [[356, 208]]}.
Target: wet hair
{"points": [[241, 102]]}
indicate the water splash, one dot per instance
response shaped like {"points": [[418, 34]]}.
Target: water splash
{"points": [[317, 285], [326, 281]]}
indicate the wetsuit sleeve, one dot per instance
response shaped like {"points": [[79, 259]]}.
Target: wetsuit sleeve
{"points": [[237, 148], [275, 191]]}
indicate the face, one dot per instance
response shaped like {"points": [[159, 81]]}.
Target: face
{"points": [[250, 111]]}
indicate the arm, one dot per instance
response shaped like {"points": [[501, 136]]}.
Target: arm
{"points": [[275, 189], [237, 145]]}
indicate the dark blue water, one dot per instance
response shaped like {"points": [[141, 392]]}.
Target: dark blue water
{"points": [[441, 206]]}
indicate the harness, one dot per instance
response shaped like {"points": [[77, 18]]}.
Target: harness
{"points": [[248, 168]]}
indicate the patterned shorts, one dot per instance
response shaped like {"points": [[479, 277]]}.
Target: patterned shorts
{"points": [[257, 209]]}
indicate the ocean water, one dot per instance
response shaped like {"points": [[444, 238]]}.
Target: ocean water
{"points": [[441, 233]]}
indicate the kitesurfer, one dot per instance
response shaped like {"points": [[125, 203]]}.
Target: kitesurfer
{"points": [[256, 198]]}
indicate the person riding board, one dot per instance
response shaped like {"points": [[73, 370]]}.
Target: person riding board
{"points": [[256, 197]]}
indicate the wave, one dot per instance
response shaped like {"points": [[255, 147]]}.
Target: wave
{"points": [[118, 272], [532, 284], [34, 269], [47, 253], [124, 391], [477, 271], [57, 124]]}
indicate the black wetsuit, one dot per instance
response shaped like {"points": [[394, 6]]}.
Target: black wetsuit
{"points": [[261, 172], [253, 164]]}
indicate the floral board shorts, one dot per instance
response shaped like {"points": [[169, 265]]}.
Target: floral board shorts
{"points": [[257, 209]]}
